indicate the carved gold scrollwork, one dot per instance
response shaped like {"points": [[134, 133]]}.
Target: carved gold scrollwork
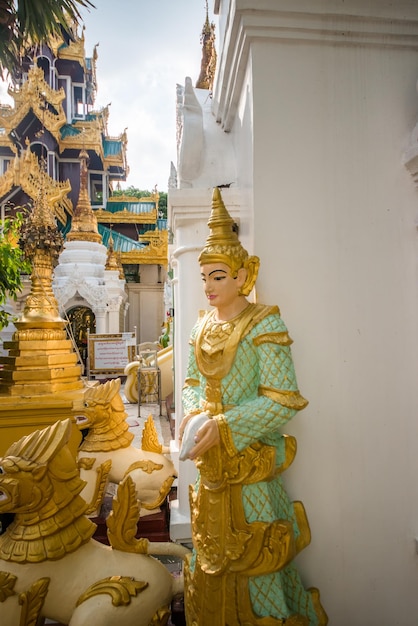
{"points": [[162, 494], [32, 602], [161, 617], [149, 441], [122, 521], [7, 583], [146, 466], [223, 538], [121, 589], [101, 483]]}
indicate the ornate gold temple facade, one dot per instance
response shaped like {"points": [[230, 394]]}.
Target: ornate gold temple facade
{"points": [[25, 172], [49, 129]]}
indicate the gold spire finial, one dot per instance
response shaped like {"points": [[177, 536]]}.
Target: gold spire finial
{"points": [[113, 261], [42, 244], [41, 215], [84, 223], [208, 63], [223, 245]]}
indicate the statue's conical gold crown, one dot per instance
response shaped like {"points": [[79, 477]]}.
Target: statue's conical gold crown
{"points": [[223, 245]]}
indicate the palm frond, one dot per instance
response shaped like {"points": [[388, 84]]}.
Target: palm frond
{"points": [[24, 21]]}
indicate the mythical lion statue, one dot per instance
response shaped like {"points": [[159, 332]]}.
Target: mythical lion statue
{"points": [[165, 365], [106, 453], [50, 567]]}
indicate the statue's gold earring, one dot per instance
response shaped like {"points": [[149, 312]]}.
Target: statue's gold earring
{"points": [[242, 273], [252, 265]]}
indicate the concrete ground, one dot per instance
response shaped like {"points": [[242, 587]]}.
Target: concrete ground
{"points": [[136, 420]]}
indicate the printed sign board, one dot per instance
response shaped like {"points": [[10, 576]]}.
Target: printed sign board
{"points": [[110, 354]]}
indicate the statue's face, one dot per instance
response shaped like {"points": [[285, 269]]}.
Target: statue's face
{"points": [[23, 485], [221, 288]]}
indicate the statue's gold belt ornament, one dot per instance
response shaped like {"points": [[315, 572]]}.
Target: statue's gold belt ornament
{"points": [[223, 539]]}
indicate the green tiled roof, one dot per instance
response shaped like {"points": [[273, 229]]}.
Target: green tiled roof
{"points": [[121, 243], [132, 207], [68, 130], [111, 147]]}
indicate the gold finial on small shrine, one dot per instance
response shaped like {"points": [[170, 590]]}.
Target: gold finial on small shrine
{"points": [[84, 223], [42, 244], [41, 360], [113, 261]]}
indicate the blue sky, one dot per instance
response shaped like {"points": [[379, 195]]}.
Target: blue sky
{"points": [[145, 49]]}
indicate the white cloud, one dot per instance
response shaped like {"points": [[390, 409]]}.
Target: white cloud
{"points": [[145, 49]]}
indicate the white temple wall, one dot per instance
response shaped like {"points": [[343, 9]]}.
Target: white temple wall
{"points": [[335, 227], [241, 138], [338, 245], [241, 134], [330, 98]]}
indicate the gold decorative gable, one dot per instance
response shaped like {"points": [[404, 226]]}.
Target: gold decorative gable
{"points": [[5, 140], [75, 51], [154, 254], [33, 94], [125, 217], [89, 137], [25, 172]]}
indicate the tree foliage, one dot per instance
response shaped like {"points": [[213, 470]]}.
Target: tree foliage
{"points": [[162, 204], [12, 264], [132, 192], [32, 21]]}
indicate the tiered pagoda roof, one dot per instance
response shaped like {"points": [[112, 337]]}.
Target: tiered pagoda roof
{"points": [[53, 114], [139, 234], [42, 135]]}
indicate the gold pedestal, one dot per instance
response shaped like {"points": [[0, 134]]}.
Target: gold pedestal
{"points": [[40, 382], [20, 416], [41, 361]]}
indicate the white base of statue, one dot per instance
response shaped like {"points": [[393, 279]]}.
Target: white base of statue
{"points": [[180, 523]]}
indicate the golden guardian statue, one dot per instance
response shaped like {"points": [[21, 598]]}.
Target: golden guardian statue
{"points": [[240, 390]]}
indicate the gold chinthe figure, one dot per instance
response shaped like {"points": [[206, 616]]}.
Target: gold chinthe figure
{"points": [[241, 386]]}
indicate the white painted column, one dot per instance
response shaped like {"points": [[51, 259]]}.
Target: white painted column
{"points": [[114, 306], [189, 212], [100, 321], [113, 320], [190, 231]]}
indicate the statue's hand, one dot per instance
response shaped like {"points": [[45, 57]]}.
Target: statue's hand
{"points": [[206, 437], [188, 431], [186, 419]]}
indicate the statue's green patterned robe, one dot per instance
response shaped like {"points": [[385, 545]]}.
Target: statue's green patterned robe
{"points": [[245, 530]]}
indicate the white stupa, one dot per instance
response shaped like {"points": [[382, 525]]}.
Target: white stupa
{"points": [[88, 274]]}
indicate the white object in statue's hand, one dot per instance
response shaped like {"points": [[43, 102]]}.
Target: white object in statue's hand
{"points": [[188, 441]]}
